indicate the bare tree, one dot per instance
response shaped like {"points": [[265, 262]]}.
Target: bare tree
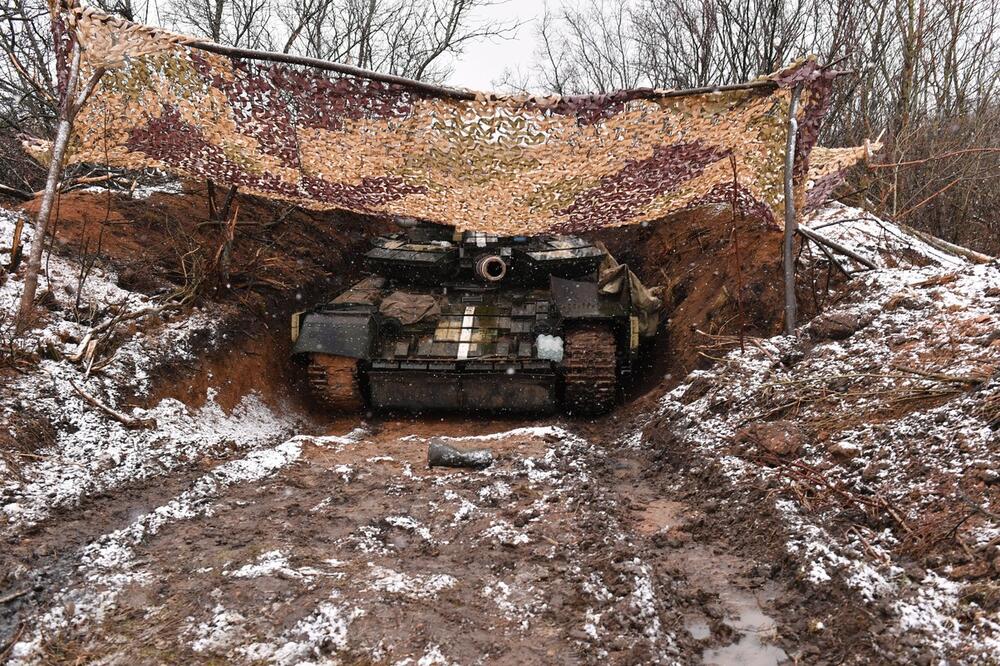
{"points": [[588, 48], [925, 74], [392, 36], [242, 23]]}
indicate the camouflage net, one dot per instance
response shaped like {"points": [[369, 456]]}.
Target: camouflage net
{"points": [[507, 165]]}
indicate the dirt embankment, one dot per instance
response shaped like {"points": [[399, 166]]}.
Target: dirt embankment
{"points": [[280, 259], [283, 259], [716, 280]]}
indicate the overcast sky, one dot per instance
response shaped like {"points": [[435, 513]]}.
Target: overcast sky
{"points": [[484, 62]]}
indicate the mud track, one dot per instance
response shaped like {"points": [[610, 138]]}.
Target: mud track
{"points": [[572, 548]]}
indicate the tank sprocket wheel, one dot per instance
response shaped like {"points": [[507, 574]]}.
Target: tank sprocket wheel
{"points": [[334, 381], [590, 370]]}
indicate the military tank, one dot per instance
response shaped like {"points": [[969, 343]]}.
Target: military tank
{"points": [[470, 321]]}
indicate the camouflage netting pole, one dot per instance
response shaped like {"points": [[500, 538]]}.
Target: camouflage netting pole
{"points": [[73, 99], [791, 307], [51, 185]]}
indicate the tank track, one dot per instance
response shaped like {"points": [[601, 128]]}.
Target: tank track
{"points": [[590, 370], [334, 381]]}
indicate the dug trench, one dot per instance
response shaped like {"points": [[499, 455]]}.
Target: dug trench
{"points": [[576, 545]]}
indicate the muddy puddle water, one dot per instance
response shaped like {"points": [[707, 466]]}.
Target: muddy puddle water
{"points": [[725, 577], [752, 626]]}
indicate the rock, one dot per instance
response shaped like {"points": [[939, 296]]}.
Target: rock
{"points": [[781, 438], [844, 451], [791, 357], [836, 325], [698, 387]]}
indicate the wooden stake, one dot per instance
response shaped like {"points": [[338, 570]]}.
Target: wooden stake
{"points": [[73, 100], [791, 306]]}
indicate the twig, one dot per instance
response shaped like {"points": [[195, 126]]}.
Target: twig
{"points": [[914, 207], [124, 419], [5, 652], [954, 153], [11, 597], [976, 506], [15, 193]]}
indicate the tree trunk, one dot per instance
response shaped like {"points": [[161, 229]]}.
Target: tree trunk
{"points": [[51, 188]]}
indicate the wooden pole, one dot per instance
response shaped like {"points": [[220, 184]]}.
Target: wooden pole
{"points": [[74, 98], [791, 306], [436, 90], [736, 243], [63, 128]]}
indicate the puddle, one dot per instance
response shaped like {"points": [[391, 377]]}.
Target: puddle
{"points": [[749, 651], [661, 514], [725, 576], [755, 627], [697, 627]]}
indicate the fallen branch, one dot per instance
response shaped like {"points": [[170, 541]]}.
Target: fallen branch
{"points": [[836, 247], [15, 193], [949, 248], [124, 419], [942, 377]]}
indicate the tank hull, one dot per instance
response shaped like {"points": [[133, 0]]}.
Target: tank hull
{"points": [[475, 324], [463, 391]]}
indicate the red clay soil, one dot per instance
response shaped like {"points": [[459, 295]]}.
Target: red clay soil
{"points": [[275, 247], [693, 256], [282, 260]]}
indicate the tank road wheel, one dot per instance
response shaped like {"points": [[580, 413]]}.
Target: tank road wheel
{"points": [[590, 370], [334, 381]]}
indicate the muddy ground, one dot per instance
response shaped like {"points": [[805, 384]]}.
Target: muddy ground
{"points": [[249, 527], [573, 547]]}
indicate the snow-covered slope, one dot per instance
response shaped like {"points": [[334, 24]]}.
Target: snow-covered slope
{"points": [[878, 428], [884, 243], [89, 452]]}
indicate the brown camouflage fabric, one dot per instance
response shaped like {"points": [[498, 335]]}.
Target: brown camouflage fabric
{"points": [[506, 165]]}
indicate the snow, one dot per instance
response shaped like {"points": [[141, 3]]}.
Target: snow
{"points": [[869, 428], [221, 632], [275, 563], [108, 564], [91, 453], [883, 242], [414, 586], [325, 629]]}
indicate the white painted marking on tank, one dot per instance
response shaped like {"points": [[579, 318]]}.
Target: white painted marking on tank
{"points": [[466, 334]]}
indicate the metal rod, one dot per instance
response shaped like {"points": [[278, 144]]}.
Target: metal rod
{"points": [[791, 306]]}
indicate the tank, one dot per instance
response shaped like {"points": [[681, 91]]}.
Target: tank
{"points": [[469, 321]]}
